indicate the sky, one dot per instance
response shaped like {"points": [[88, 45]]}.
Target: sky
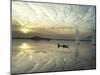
{"points": [[52, 20]]}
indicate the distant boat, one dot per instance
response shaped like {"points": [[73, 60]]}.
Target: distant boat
{"points": [[64, 46]]}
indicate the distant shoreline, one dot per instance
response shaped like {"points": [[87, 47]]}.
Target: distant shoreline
{"points": [[50, 39]]}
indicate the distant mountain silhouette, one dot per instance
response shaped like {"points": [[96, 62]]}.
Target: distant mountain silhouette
{"points": [[37, 38], [40, 38]]}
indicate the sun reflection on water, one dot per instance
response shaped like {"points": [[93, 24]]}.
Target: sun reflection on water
{"points": [[26, 50], [25, 46]]}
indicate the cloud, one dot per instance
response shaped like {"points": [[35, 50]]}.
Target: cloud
{"points": [[46, 15]]}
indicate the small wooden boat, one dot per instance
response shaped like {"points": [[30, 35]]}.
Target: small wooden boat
{"points": [[64, 46]]}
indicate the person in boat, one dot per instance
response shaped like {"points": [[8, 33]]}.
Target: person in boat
{"points": [[64, 46]]}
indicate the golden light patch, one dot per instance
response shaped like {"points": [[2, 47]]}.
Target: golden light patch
{"points": [[24, 46], [26, 50], [25, 30]]}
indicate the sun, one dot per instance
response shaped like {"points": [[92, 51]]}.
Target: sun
{"points": [[25, 30]]}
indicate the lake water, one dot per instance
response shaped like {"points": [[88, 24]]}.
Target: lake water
{"points": [[30, 56]]}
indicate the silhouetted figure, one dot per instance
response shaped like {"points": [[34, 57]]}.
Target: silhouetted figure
{"points": [[64, 46]]}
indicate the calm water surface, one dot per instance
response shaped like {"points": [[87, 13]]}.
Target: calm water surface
{"points": [[43, 56]]}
